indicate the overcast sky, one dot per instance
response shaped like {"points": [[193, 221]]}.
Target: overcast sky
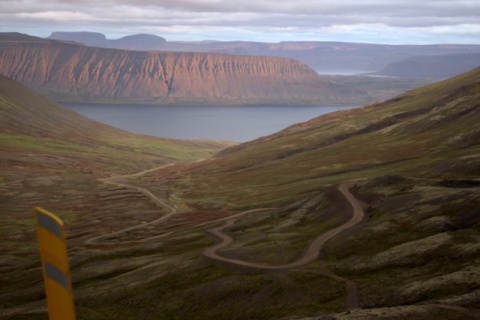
{"points": [[373, 21]]}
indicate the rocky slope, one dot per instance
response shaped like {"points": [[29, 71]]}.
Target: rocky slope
{"points": [[75, 72]]}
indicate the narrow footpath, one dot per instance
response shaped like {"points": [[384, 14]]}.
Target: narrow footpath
{"points": [[113, 181]]}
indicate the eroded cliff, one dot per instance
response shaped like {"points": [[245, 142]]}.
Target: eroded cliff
{"points": [[75, 72]]}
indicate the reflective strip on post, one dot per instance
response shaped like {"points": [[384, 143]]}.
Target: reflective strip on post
{"points": [[48, 222], [56, 274], [56, 270]]}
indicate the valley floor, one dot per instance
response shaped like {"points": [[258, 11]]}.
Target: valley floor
{"points": [[142, 252]]}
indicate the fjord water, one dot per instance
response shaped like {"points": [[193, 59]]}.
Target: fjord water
{"points": [[228, 123]]}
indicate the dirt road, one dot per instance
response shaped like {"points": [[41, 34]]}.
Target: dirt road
{"points": [[310, 254], [100, 240], [113, 181]]}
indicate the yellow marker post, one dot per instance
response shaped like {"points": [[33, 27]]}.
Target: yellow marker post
{"points": [[56, 270]]}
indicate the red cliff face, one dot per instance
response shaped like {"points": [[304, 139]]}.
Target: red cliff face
{"points": [[74, 72]]}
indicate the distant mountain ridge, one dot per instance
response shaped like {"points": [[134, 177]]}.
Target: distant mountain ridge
{"points": [[323, 56], [433, 66], [72, 72], [95, 39]]}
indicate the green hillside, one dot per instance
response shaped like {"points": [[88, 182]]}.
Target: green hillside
{"points": [[416, 160], [56, 158], [35, 131], [412, 164], [431, 132]]}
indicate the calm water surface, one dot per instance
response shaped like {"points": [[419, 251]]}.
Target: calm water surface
{"points": [[231, 123]]}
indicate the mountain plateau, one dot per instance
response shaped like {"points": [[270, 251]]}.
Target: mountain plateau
{"points": [[71, 72], [323, 56]]}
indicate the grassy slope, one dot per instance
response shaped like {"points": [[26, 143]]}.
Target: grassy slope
{"points": [[34, 124], [41, 140], [416, 133], [52, 157], [419, 244], [382, 88]]}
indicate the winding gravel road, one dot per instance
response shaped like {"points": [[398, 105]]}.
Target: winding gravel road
{"points": [[310, 255]]}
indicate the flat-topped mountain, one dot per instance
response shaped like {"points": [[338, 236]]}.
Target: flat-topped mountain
{"points": [[323, 56], [72, 72], [95, 39]]}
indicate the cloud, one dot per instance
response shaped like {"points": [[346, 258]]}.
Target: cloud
{"points": [[253, 18], [56, 16]]}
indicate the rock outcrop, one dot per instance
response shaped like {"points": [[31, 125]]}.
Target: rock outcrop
{"points": [[72, 72]]}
